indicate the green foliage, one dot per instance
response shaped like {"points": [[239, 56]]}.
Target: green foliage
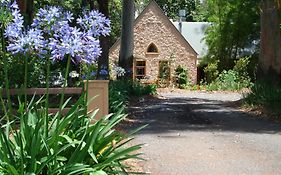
{"points": [[182, 77], [15, 67], [242, 68], [115, 9], [120, 92], [264, 94], [172, 7], [118, 95], [235, 26], [164, 74], [72, 145], [201, 11], [235, 79], [74, 6], [211, 72], [229, 80]]}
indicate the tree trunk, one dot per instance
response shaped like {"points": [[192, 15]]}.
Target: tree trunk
{"points": [[127, 37], [270, 46], [27, 8], [103, 62], [92, 4], [29, 11]]}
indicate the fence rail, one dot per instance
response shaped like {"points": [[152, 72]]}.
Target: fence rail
{"points": [[42, 91], [96, 88]]}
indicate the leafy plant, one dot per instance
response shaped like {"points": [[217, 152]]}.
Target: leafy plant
{"points": [[120, 91], [233, 79], [229, 80], [211, 71], [182, 79], [72, 145], [264, 94]]}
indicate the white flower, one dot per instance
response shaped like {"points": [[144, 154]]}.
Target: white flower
{"points": [[73, 74], [119, 71]]}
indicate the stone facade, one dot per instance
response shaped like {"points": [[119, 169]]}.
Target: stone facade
{"points": [[153, 26]]}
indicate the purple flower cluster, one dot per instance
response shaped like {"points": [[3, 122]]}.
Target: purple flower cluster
{"points": [[51, 32], [94, 23], [15, 28], [22, 41], [30, 41], [4, 3], [50, 19], [71, 41]]}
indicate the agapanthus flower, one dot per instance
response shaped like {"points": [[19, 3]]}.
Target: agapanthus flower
{"points": [[84, 77], [21, 40], [51, 18], [15, 28], [103, 72], [62, 39], [93, 73], [8, 10], [30, 41], [71, 41], [5, 3], [94, 23]]}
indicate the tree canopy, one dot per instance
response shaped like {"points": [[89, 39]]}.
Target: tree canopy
{"points": [[234, 30]]}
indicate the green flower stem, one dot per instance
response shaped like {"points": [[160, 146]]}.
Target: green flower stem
{"points": [[6, 75], [2, 102], [25, 80], [5, 111], [47, 97], [62, 98], [87, 89], [65, 81]]}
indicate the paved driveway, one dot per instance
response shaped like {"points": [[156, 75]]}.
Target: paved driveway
{"points": [[200, 133]]}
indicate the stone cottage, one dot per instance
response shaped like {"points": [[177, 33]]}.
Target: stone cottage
{"points": [[159, 48]]}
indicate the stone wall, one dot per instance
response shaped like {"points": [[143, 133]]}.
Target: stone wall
{"points": [[152, 27]]}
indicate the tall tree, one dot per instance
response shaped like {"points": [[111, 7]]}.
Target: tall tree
{"points": [[27, 8], [103, 62], [234, 30], [127, 36], [270, 47], [171, 7]]}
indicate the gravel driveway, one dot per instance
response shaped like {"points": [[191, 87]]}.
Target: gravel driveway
{"points": [[200, 133]]}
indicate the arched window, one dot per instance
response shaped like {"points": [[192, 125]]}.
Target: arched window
{"points": [[152, 48]]}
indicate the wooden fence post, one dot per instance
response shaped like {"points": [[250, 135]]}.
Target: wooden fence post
{"points": [[99, 90]]}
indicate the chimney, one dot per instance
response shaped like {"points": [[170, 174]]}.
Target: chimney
{"points": [[182, 14]]}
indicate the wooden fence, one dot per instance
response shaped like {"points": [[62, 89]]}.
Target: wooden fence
{"points": [[97, 89]]}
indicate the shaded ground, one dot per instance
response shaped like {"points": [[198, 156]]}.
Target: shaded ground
{"points": [[203, 133]]}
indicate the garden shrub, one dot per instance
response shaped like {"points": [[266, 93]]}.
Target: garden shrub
{"points": [[71, 145], [235, 79], [211, 72], [15, 68], [241, 66], [264, 94], [120, 92], [229, 80], [164, 74], [182, 77]]}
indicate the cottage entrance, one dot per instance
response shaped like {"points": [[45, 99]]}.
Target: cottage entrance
{"points": [[164, 74]]}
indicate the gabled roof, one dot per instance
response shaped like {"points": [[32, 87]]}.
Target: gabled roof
{"points": [[164, 17], [194, 33]]}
